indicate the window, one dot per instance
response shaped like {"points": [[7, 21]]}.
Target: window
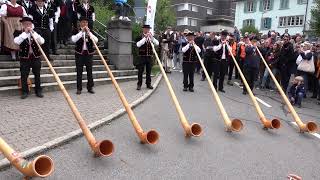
{"points": [[302, 1], [210, 0], [248, 22], [266, 5], [181, 22], [194, 8], [266, 23], [295, 20], [192, 22], [180, 7], [299, 20], [282, 21], [209, 11], [284, 4], [250, 6]]}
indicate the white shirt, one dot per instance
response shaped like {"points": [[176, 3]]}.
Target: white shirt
{"points": [[144, 40], [217, 48], [82, 34], [3, 10], [185, 48], [19, 39]]}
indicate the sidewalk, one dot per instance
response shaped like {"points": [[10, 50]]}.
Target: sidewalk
{"points": [[32, 122]]}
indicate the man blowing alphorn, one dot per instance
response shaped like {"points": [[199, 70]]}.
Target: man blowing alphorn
{"points": [[190, 59], [145, 54], [29, 57], [84, 51]]}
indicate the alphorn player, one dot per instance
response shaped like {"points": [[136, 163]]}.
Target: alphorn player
{"points": [[145, 54], [190, 59], [29, 57], [84, 51]]}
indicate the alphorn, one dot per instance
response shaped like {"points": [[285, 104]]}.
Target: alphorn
{"points": [[101, 148], [268, 124], [193, 130], [310, 126], [41, 166], [150, 137], [231, 125]]}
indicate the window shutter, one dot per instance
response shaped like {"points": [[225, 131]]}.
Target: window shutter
{"points": [[269, 23], [261, 5], [287, 4], [245, 9], [255, 6], [262, 24], [244, 23], [271, 4]]}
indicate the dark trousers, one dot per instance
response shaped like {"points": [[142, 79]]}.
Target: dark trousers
{"points": [[64, 29], [53, 45], [297, 98], [188, 69], [25, 66], [84, 60], [285, 76], [145, 61], [206, 61], [250, 74], [315, 86], [122, 9], [219, 68], [240, 63], [231, 67], [46, 34]]}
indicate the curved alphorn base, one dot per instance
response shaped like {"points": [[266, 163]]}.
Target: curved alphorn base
{"points": [[150, 137], [235, 125], [103, 148], [270, 124], [194, 129], [310, 127]]}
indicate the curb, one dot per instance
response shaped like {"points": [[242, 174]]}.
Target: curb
{"points": [[4, 163]]}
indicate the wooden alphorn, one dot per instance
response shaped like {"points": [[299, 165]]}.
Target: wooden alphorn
{"points": [[231, 125], [101, 148], [193, 130], [41, 166], [310, 126], [150, 137], [267, 124]]}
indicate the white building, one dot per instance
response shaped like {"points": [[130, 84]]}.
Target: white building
{"points": [[277, 15]]}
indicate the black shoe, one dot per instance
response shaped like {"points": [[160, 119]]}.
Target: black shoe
{"points": [[78, 92], [244, 93], [149, 87], [91, 91], [299, 106], [24, 96], [39, 94], [191, 90], [138, 88], [185, 89], [221, 90]]}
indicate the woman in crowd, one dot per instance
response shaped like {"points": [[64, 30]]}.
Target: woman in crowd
{"points": [[11, 14], [306, 55]]}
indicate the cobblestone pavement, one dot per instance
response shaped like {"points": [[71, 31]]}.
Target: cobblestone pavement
{"points": [[32, 122]]}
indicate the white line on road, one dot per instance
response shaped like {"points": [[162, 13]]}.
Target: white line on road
{"points": [[264, 103], [313, 134]]}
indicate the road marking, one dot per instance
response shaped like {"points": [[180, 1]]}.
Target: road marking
{"points": [[237, 84], [264, 103], [313, 134]]}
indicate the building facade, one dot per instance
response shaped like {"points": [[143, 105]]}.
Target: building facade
{"points": [[277, 15], [205, 15]]}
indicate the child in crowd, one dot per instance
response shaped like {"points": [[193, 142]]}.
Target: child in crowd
{"points": [[297, 91]]}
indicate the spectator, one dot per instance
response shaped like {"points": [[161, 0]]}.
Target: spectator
{"points": [[286, 33], [199, 40], [297, 91], [305, 55], [285, 62], [64, 23], [12, 13], [272, 58], [87, 11], [236, 34]]}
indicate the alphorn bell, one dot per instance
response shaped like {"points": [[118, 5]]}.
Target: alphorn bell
{"points": [[231, 125], [267, 124], [101, 148], [310, 126], [150, 137], [41, 166], [193, 130]]}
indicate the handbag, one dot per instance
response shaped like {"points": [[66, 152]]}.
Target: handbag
{"points": [[307, 66]]}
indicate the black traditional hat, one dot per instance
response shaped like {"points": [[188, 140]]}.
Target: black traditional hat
{"points": [[24, 19], [190, 33], [224, 33], [146, 26], [83, 18]]}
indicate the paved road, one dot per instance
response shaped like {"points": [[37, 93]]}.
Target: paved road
{"points": [[32, 122], [251, 154]]}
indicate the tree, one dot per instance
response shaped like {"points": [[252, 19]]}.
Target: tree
{"points": [[165, 15], [249, 29], [315, 22]]}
